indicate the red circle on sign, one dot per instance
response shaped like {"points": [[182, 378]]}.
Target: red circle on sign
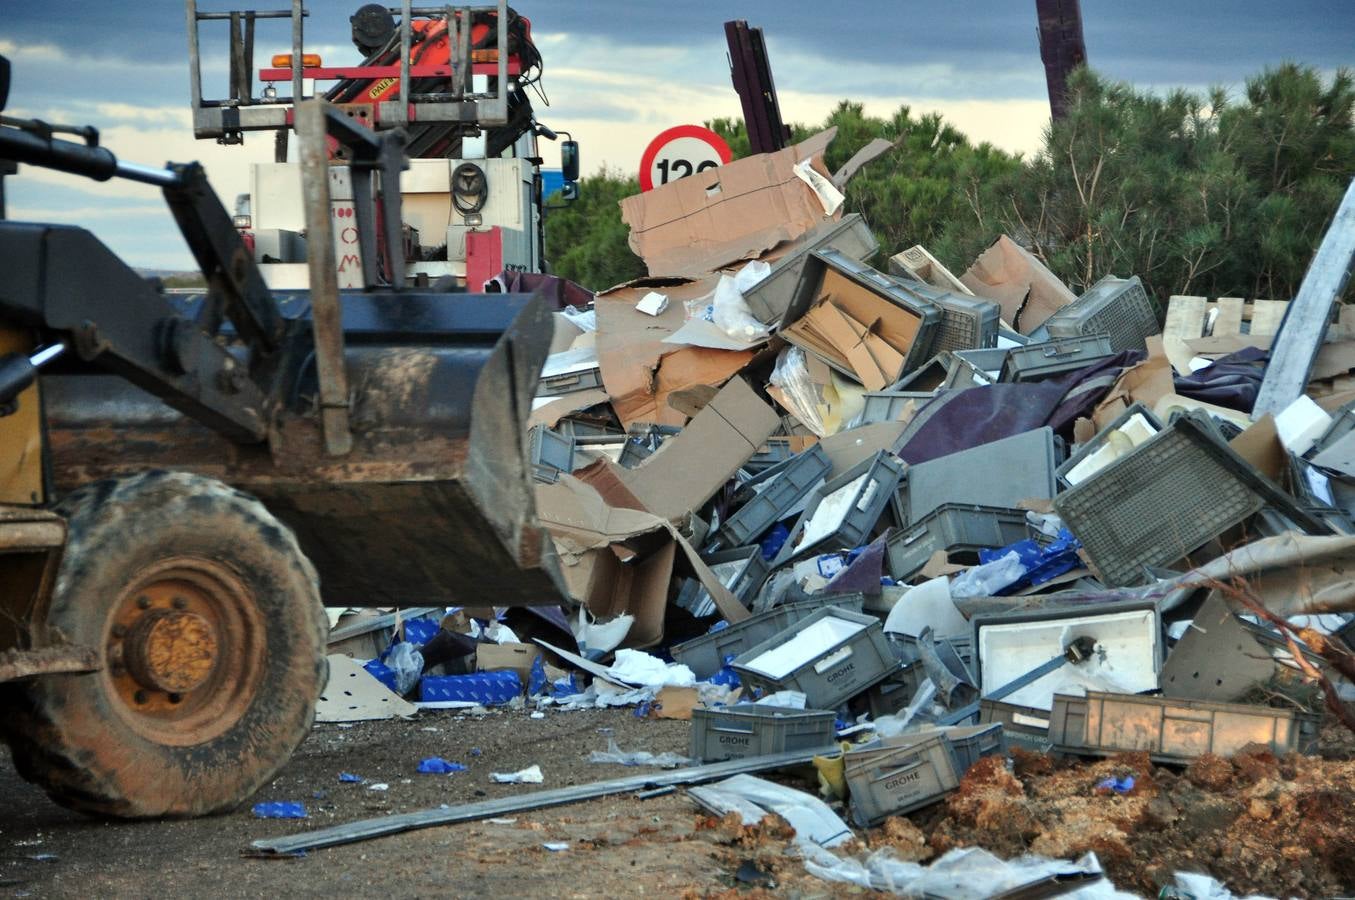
{"points": [[679, 131]]}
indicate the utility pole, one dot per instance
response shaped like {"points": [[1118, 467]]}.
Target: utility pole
{"points": [[1061, 48]]}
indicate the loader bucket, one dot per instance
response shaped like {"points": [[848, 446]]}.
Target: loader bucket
{"points": [[434, 504]]}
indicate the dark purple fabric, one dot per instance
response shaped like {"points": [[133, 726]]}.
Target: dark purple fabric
{"points": [[1232, 381], [863, 575], [958, 420]]}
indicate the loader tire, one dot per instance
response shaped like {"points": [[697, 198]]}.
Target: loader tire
{"points": [[209, 624]]}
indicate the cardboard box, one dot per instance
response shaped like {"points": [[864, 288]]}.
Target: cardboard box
{"points": [[690, 467], [639, 370], [500, 657], [737, 211], [1025, 289], [621, 561]]}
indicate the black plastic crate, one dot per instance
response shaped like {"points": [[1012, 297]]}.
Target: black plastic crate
{"points": [[550, 453], [1117, 307], [1036, 362], [885, 406], [954, 528]]}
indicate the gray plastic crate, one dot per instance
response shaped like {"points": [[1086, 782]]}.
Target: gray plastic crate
{"points": [[999, 473], [751, 729], [970, 743], [569, 382], [1342, 424], [1035, 362], [967, 323], [974, 368], [778, 450], [927, 315], [1172, 729], [871, 483], [1171, 494], [1024, 726], [550, 453], [1116, 307], [955, 528], [1099, 439], [748, 569], [800, 475], [837, 672], [706, 655], [885, 406], [898, 776], [770, 297], [929, 377], [896, 691]]}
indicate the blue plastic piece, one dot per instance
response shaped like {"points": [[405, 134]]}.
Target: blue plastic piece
{"points": [[420, 631], [642, 710], [350, 778], [726, 676], [536, 679], [1120, 784], [382, 673], [280, 810], [436, 765], [484, 688], [774, 540], [1041, 563]]}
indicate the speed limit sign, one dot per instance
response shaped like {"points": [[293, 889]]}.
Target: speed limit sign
{"points": [[679, 152]]}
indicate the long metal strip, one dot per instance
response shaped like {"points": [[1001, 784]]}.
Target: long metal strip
{"points": [[378, 622], [1305, 322], [368, 829]]}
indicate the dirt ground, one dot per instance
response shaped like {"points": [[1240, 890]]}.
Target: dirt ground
{"points": [[1285, 827]]}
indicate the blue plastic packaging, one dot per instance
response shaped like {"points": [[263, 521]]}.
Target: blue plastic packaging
{"points": [[484, 688], [436, 765], [280, 810]]}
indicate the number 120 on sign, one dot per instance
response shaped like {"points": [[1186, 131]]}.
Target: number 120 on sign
{"points": [[679, 152]]}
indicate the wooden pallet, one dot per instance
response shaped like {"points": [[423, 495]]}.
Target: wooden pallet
{"points": [[1189, 317]]}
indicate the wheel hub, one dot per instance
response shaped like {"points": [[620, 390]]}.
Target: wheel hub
{"points": [[171, 651], [185, 647]]}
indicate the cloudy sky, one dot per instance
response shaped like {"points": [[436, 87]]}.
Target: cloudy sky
{"points": [[619, 71]]}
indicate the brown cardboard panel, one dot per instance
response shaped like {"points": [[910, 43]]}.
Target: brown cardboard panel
{"points": [[638, 370], [737, 211], [1259, 444], [1146, 383], [676, 702], [1025, 289], [693, 465], [620, 561], [846, 315]]}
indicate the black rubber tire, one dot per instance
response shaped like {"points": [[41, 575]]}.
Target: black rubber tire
{"points": [[67, 733]]}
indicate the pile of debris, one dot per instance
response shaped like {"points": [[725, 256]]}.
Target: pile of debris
{"points": [[905, 520]]}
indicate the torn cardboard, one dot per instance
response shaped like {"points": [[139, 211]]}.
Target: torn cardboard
{"points": [[619, 561], [727, 213], [690, 467], [638, 369], [1025, 289]]}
